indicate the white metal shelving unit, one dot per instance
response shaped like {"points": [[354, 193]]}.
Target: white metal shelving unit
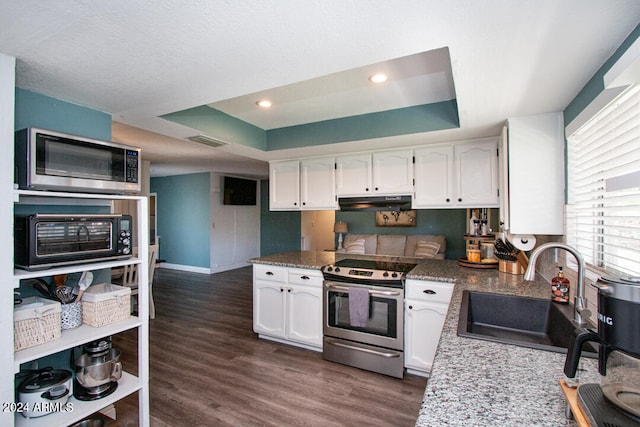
{"points": [[129, 383]]}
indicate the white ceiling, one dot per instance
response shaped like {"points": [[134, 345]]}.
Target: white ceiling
{"points": [[138, 60]]}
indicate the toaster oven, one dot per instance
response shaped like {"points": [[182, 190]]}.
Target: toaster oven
{"points": [[51, 240]]}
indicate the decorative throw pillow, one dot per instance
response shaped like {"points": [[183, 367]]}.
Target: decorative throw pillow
{"points": [[427, 249], [355, 247]]}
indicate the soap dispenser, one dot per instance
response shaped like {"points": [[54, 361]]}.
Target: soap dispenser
{"points": [[560, 288]]}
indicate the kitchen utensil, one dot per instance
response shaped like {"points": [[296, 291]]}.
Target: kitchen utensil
{"points": [[503, 250], [42, 288], [44, 391], [65, 294], [85, 281], [60, 280], [619, 339], [90, 422]]}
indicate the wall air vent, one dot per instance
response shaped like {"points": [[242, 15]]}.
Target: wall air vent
{"points": [[207, 140]]}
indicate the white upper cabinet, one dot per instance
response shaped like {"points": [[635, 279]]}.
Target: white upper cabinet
{"points": [[318, 183], [353, 175], [302, 184], [534, 181], [434, 176], [379, 173], [477, 174], [284, 185], [393, 172], [457, 175]]}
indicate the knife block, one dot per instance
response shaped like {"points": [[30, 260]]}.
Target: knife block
{"points": [[510, 267]]}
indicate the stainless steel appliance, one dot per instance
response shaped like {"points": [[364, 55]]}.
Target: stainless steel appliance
{"points": [[377, 342], [48, 240], [48, 160], [619, 352], [98, 370]]}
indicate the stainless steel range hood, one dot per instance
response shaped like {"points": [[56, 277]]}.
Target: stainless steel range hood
{"points": [[376, 203]]}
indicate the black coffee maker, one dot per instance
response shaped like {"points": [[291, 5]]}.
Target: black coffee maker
{"points": [[616, 400]]}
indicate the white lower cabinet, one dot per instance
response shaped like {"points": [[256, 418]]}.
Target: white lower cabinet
{"points": [[287, 305], [426, 306]]}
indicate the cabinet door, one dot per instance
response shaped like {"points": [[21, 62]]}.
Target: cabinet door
{"points": [[318, 183], [268, 308], [536, 174], [304, 314], [423, 327], [434, 177], [284, 185], [353, 175], [477, 174], [393, 172]]}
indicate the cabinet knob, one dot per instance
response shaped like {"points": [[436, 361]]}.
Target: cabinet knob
{"points": [[281, 289], [448, 200], [304, 277], [304, 203], [289, 290], [459, 200], [268, 273], [376, 188], [366, 189], [429, 291], [295, 204], [410, 307]]}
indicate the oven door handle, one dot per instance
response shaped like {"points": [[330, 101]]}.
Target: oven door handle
{"points": [[371, 291], [364, 350]]}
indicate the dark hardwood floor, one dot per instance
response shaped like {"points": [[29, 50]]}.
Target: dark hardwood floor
{"points": [[208, 368]]}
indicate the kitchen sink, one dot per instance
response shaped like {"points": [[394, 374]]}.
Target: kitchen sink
{"points": [[528, 322]]}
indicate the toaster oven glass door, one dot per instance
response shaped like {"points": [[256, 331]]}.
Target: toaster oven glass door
{"points": [[67, 238]]}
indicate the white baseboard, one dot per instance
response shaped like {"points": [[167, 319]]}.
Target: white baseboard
{"points": [[180, 267], [221, 268]]}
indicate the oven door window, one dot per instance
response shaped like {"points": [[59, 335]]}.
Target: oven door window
{"points": [[67, 238], [382, 314]]}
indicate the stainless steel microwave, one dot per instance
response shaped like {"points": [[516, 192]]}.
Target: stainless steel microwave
{"points": [[48, 160]]}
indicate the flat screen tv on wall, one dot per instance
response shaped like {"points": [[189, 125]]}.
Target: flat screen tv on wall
{"points": [[239, 191]]}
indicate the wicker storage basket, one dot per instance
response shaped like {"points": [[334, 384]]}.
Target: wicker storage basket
{"points": [[35, 321], [105, 303]]}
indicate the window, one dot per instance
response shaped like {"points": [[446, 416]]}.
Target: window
{"points": [[603, 187]]}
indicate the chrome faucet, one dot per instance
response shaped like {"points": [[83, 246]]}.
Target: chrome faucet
{"points": [[580, 312]]}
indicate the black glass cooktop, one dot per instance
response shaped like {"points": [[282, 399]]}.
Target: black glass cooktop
{"points": [[400, 267]]}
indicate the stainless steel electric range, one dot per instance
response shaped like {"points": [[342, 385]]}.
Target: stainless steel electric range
{"points": [[363, 314]]}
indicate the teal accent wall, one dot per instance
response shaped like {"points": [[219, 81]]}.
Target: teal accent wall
{"points": [[402, 121], [36, 110], [220, 125], [183, 212], [280, 231], [596, 85], [449, 222], [420, 118]]}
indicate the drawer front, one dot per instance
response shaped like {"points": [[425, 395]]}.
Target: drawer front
{"points": [[429, 291], [269, 272], [305, 277]]}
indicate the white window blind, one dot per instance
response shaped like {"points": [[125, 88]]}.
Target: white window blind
{"points": [[603, 187]]}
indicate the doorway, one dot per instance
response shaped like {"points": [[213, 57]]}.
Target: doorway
{"points": [[317, 230]]}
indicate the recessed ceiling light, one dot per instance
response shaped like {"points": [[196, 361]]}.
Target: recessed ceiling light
{"points": [[264, 103], [378, 78]]}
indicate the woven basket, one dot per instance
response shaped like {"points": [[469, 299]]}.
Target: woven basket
{"points": [[36, 321], [109, 304], [71, 315]]}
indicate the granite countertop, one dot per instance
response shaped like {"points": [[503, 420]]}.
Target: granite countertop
{"points": [[475, 382]]}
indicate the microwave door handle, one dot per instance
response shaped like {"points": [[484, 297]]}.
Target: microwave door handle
{"points": [[373, 292]]}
